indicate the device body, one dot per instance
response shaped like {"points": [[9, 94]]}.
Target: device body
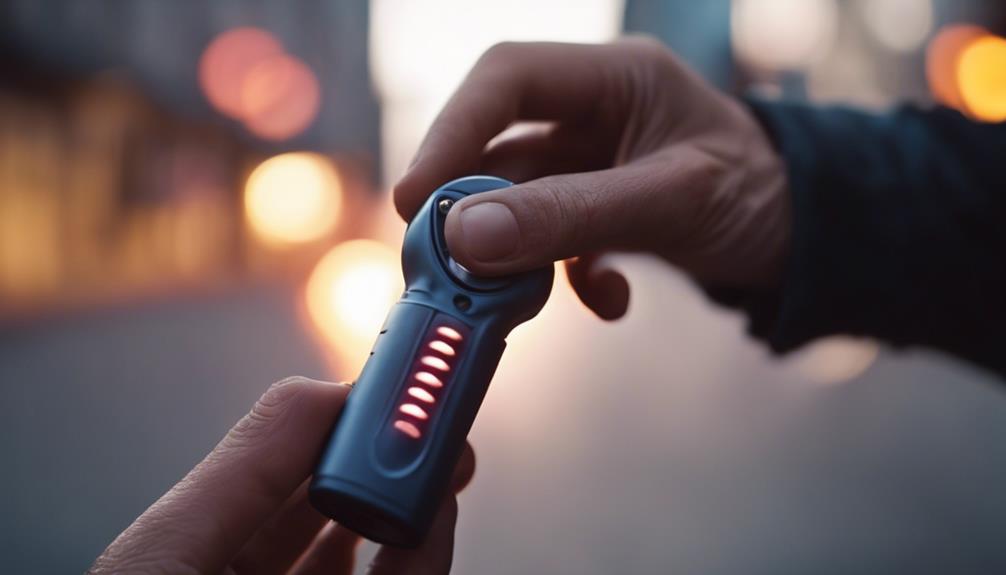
{"points": [[390, 458]]}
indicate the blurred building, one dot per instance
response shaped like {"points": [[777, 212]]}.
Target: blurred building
{"points": [[119, 179]]}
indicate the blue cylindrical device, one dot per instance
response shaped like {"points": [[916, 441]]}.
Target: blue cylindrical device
{"points": [[389, 461]]}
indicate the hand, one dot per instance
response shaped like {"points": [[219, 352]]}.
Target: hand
{"points": [[639, 155], [244, 508]]}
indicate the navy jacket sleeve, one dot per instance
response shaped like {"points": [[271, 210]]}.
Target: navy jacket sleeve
{"points": [[899, 231]]}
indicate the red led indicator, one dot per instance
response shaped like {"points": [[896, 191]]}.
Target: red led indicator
{"points": [[408, 429], [429, 379], [431, 371], [442, 347], [413, 410], [421, 394], [435, 363], [450, 333]]}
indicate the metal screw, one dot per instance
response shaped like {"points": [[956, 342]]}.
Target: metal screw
{"points": [[445, 205]]}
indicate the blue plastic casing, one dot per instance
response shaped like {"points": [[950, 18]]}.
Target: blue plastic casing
{"points": [[386, 468]]}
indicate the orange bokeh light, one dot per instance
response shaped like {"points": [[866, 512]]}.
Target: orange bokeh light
{"points": [[348, 297], [227, 61], [942, 57], [981, 75], [280, 98]]}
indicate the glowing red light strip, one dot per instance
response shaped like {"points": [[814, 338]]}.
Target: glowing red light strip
{"points": [[437, 364]]}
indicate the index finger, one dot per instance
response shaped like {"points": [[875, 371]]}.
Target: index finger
{"points": [[510, 82], [204, 520]]}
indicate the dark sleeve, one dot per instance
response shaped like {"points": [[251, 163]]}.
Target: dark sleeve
{"points": [[898, 231]]}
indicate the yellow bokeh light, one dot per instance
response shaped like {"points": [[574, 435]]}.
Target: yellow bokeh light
{"points": [[293, 198], [981, 75], [348, 296]]}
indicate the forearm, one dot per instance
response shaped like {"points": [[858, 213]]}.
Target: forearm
{"points": [[896, 231]]}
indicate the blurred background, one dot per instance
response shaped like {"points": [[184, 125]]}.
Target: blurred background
{"points": [[194, 203]]}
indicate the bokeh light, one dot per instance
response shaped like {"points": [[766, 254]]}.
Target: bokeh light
{"points": [[246, 75], [293, 198], [834, 359], [280, 98], [900, 25], [981, 73], [942, 56], [227, 62], [782, 34], [348, 296]]}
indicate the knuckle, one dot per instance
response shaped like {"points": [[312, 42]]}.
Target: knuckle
{"points": [[282, 392], [705, 170], [704, 187]]}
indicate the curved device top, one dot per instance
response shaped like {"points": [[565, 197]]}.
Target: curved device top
{"points": [[426, 263]]}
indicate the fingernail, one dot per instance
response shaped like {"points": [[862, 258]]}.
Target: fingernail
{"points": [[489, 231]]}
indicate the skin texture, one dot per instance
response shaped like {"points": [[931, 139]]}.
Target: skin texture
{"points": [[636, 153], [244, 508]]}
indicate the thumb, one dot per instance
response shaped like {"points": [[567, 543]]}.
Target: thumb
{"points": [[557, 217]]}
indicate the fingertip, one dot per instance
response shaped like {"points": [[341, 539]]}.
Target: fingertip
{"points": [[605, 292], [464, 470], [286, 394], [321, 387], [455, 238], [454, 235], [403, 198], [416, 184], [434, 555], [610, 296], [333, 550]]}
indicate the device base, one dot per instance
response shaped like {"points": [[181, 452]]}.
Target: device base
{"points": [[361, 511]]}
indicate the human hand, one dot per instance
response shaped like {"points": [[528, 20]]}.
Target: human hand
{"points": [[640, 155], [244, 508]]}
